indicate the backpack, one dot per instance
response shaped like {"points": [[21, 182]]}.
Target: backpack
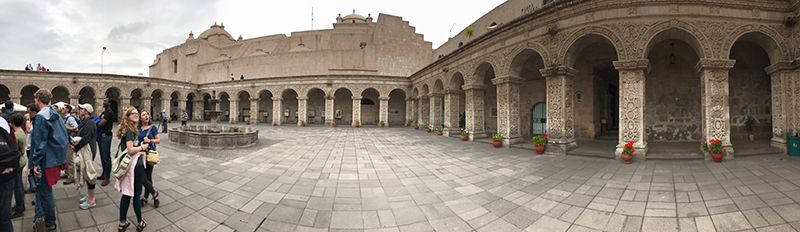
{"points": [[99, 132], [9, 155]]}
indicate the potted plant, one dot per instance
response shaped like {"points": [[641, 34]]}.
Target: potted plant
{"points": [[333, 124], [464, 135], [538, 142], [415, 125], [497, 140], [302, 123], [382, 124], [627, 153], [429, 128], [714, 147], [439, 131], [274, 124], [358, 124], [748, 126]]}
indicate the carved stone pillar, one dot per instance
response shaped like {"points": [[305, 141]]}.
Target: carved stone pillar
{"points": [[16, 98], [233, 111], [181, 107], [329, 110], [508, 121], [435, 116], [560, 109], [452, 101], [197, 110], [277, 111], [356, 110], [384, 111], [254, 111], [73, 100], [146, 103], [715, 96], [785, 95], [422, 112], [302, 116], [412, 109], [474, 114], [632, 79]]}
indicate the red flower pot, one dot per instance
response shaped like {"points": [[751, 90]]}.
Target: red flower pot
{"points": [[428, 130], [627, 158], [497, 143], [716, 157], [539, 149], [464, 137]]}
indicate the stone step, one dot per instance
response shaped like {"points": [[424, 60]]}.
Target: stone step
{"points": [[675, 156], [591, 153]]}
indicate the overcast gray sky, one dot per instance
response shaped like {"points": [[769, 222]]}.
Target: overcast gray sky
{"points": [[68, 35]]}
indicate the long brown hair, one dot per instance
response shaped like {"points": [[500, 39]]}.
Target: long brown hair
{"points": [[127, 124], [149, 119]]}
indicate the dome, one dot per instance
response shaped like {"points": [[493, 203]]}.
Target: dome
{"points": [[215, 30], [354, 16]]}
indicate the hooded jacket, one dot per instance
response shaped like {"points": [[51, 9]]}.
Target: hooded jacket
{"points": [[49, 140]]}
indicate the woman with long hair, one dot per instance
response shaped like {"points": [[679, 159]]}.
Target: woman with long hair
{"points": [[130, 185], [148, 133]]}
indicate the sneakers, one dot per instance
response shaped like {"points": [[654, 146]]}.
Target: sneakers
{"points": [[39, 225], [84, 199], [69, 181], [88, 204], [105, 182]]}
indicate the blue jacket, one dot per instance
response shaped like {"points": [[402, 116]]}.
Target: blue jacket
{"points": [[49, 140]]}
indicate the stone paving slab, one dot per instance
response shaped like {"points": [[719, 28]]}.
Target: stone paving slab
{"points": [[398, 179]]}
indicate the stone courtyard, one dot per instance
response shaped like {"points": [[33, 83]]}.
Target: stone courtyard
{"points": [[400, 179]]}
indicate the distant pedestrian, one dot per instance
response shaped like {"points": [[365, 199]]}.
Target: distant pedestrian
{"points": [[164, 120], [29, 117], [48, 151], [184, 117]]}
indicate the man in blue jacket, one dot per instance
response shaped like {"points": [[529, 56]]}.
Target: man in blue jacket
{"points": [[49, 141]]}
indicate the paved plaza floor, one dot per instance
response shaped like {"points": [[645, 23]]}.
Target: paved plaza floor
{"points": [[399, 179]]}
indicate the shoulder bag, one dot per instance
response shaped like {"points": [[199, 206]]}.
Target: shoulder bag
{"points": [[152, 155]]}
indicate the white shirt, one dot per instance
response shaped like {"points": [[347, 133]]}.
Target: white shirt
{"points": [[4, 125]]}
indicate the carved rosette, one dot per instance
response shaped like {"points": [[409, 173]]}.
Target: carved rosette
{"points": [[715, 93], [560, 116], [632, 85]]}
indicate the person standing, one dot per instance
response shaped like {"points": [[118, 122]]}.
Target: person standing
{"points": [[32, 110], [148, 133], [164, 120], [72, 127], [18, 123], [48, 150], [184, 117], [86, 131], [106, 125], [8, 109], [9, 163], [130, 185]]}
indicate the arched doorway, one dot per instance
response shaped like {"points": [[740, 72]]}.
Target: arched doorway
{"points": [[369, 107], [156, 101], [27, 94], [343, 107], [207, 106], [458, 115], [174, 107], [437, 107], [190, 105], [112, 96], [425, 106], [5, 94], [224, 107], [397, 107], [484, 74], [532, 93], [265, 106], [86, 95], [60, 94], [538, 119], [673, 118], [751, 110], [136, 99], [243, 107], [315, 106], [289, 107]]}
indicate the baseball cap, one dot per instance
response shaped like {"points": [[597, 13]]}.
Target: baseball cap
{"points": [[87, 107]]}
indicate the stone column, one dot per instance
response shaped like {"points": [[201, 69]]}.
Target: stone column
{"points": [[146, 105], [508, 121], [714, 91], [785, 95], [560, 113], [474, 112], [412, 109], [302, 116], [198, 110], [181, 107], [383, 113], [356, 110], [632, 79], [124, 101], [254, 111], [16, 98], [73, 100], [435, 108], [329, 110], [452, 100], [421, 112], [233, 111], [277, 111]]}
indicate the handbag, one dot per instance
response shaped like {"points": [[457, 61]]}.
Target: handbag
{"points": [[152, 155], [119, 167]]}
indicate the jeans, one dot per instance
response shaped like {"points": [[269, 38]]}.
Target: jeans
{"points": [[164, 128], [105, 155], [19, 191], [125, 202], [6, 191], [148, 184], [45, 206], [183, 123], [31, 180]]}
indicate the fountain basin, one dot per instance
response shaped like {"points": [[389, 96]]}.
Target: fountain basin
{"points": [[213, 137]]}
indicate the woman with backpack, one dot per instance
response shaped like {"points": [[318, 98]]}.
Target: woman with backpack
{"points": [[148, 133], [130, 184]]}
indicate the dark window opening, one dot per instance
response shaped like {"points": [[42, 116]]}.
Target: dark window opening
{"points": [[367, 101], [175, 66]]}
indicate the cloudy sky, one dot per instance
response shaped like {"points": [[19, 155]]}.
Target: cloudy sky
{"points": [[69, 35]]}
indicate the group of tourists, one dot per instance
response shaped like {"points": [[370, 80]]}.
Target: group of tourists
{"points": [[39, 68], [49, 139]]}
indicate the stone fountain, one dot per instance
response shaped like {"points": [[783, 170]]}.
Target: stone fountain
{"points": [[214, 136]]}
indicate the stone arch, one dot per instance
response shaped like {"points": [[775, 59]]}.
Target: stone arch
{"points": [[576, 39], [224, 105], [478, 71], [87, 95], [765, 37], [243, 106], [673, 29], [26, 94], [456, 81], [370, 100], [527, 47], [288, 90], [265, 112], [289, 106], [397, 107], [60, 94], [343, 106], [5, 93], [315, 105]]}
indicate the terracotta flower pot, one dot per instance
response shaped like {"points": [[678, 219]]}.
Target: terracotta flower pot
{"points": [[428, 130], [539, 149], [497, 143], [439, 132], [464, 137], [716, 157], [751, 137], [627, 158]]}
